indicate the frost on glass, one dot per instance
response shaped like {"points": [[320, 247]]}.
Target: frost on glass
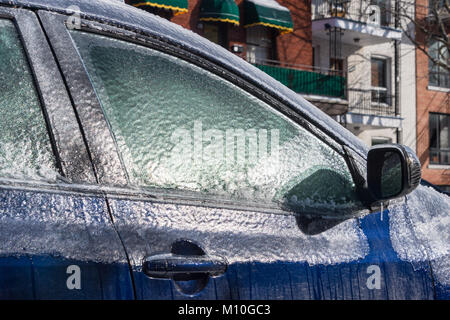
{"points": [[178, 126], [25, 149]]}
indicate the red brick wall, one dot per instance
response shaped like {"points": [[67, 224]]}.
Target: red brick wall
{"points": [[295, 47], [428, 101]]}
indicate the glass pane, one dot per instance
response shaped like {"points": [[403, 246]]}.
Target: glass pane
{"points": [[433, 130], [444, 132], [438, 75], [180, 127], [378, 73], [211, 32], [445, 157], [25, 149], [434, 157]]}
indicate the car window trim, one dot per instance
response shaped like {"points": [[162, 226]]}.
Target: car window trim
{"points": [[106, 160], [53, 98], [163, 196], [152, 43]]}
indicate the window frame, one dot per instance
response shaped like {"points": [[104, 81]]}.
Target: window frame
{"points": [[65, 50], [438, 149], [54, 102], [440, 72], [381, 95]]}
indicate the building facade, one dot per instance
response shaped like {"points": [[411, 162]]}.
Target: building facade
{"points": [[433, 97], [354, 59], [260, 31], [276, 36], [366, 41]]}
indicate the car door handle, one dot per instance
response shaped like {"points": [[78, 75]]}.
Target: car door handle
{"points": [[171, 266]]}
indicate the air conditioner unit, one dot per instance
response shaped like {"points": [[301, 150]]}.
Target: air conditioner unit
{"points": [[374, 15]]}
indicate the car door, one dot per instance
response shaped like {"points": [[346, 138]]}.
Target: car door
{"points": [[227, 194], [56, 237]]}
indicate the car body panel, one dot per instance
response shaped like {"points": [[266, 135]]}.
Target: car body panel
{"points": [[49, 235], [43, 234], [269, 257]]}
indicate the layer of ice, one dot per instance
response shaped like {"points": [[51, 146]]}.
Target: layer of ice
{"points": [[116, 12], [420, 230]]}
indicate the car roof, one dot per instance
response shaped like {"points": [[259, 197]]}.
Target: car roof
{"points": [[118, 13]]}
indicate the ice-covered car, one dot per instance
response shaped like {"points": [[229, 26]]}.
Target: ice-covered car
{"points": [[140, 161]]}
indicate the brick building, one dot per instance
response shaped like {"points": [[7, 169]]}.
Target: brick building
{"points": [[433, 103], [350, 58], [274, 35], [236, 26]]}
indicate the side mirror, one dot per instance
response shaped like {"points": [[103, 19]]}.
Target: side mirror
{"points": [[393, 171]]}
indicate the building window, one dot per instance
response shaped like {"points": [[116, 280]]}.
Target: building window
{"points": [[439, 138], [316, 56], [435, 5], [217, 33], [337, 66], [439, 75], [379, 81], [260, 44]]}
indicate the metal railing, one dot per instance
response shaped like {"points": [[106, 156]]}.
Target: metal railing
{"points": [[371, 102], [329, 83], [305, 79], [372, 12]]}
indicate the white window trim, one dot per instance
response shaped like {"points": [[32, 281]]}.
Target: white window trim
{"points": [[439, 166], [441, 89]]}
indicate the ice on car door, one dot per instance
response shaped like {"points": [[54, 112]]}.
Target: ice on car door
{"points": [[55, 243], [170, 120]]}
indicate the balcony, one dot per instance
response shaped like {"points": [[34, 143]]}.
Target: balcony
{"points": [[327, 89], [373, 108], [376, 102], [306, 79], [362, 22]]}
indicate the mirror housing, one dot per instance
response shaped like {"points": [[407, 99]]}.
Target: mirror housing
{"points": [[393, 170]]}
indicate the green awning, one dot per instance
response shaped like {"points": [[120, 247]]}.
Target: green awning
{"points": [[219, 10], [267, 13], [178, 6]]}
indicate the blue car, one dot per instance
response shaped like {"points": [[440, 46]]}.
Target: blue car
{"points": [[140, 161]]}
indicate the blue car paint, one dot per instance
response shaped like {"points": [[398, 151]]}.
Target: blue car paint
{"points": [[28, 272], [291, 280], [45, 277], [38, 276]]}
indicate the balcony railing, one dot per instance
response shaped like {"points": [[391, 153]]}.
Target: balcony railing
{"points": [[306, 79], [330, 84], [376, 102], [373, 12]]}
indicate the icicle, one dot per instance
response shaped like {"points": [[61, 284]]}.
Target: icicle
{"points": [[381, 213]]}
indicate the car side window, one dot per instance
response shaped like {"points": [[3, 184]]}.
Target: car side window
{"points": [[178, 126], [25, 148]]}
